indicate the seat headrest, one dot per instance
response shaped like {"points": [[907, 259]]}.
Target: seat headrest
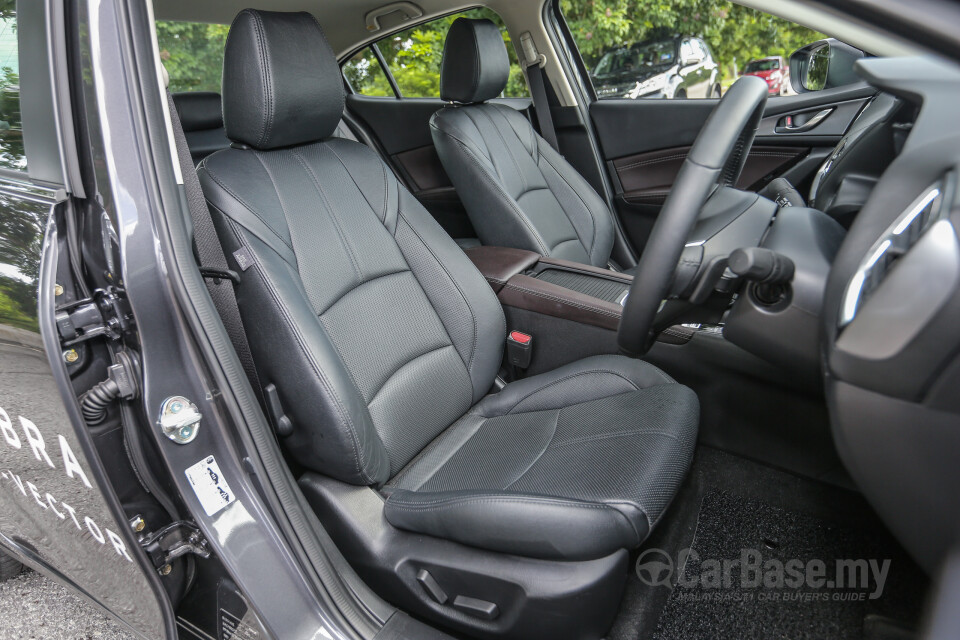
{"points": [[281, 81], [198, 110], [475, 66]]}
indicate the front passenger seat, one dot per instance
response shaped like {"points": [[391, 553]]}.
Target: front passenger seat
{"points": [[518, 191], [383, 340]]}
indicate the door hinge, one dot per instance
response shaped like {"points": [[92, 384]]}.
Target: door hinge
{"points": [[105, 313], [173, 541]]}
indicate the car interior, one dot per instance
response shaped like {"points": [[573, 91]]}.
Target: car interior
{"points": [[510, 345]]}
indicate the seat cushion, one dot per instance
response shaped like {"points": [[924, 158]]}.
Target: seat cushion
{"points": [[571, 464]]}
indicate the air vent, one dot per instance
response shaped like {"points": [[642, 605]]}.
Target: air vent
{"points": [[899, 237]]}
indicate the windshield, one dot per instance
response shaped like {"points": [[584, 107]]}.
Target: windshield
{"points": [[762, 65], [649, 54]]}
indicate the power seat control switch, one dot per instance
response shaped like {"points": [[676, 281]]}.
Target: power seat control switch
{"points": [[519, 349], [476, 608], [434, 590]]}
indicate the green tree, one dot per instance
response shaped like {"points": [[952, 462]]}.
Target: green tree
{"points": [[414, 56], [192, 53], [736, 34]]}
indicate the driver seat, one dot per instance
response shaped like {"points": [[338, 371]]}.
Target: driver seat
{"points": [[382, 342], [518, 191]]}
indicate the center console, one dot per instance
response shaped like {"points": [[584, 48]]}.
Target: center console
{"points": [[572, 310]]}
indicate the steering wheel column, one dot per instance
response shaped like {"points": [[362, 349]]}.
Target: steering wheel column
{"points": [[714, 162]]}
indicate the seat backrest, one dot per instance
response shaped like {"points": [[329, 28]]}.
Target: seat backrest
{"points": [[518, 191], [376, 329]]}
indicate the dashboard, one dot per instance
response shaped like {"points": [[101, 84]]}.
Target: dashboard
{"points": [[890, 331]]}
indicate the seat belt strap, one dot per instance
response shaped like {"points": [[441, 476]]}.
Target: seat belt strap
{"points": [[210, 254], [537, 77], [540, 105]]}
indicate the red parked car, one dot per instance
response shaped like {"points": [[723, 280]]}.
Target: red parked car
{"points": [[774, 72]]}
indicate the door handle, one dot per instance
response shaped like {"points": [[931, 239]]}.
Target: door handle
{"points": [[807, 125]]}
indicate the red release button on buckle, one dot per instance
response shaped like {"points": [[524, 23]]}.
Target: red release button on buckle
{"points": [[522, 338]]}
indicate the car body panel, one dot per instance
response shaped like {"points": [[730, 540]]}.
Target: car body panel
{"points": [[52, 507], [772, 70], [674, 67]]}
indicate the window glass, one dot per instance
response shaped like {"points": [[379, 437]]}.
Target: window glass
{"points": [[633, 48], [365, 74], [11, 133], [413, 57], [192, 52]]}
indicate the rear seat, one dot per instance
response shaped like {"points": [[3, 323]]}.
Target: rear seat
{"points": [[202, 118], [201, 114]]}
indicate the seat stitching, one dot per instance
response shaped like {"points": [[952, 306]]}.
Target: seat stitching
{"points": [[618, 434], [357, 286], [383, 216], [486, 146], [246, 206], [554, 298], [267, 124], [556, 422], [569, 377], [433, 444], [454, 501], [283, 209], [513, 156], [593, 222], [404, 364], [577, 240], [473, 314], [483, 174], [334, 218]]}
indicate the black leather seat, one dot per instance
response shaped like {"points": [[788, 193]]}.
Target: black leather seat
{"points": [[383, 341], [518, 191]]}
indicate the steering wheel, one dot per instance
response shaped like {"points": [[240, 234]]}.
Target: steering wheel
{"points": [[716, 159]]}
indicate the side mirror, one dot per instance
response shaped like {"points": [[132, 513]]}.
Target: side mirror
{"points": [[823, 65], [689, 61]]}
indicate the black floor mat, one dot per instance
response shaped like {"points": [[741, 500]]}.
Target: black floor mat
{"points": [[730, 504], [805, 602]]}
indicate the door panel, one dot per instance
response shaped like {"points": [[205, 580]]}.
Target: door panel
{"points": [[644, 143], [646, 178], [402, 129]]}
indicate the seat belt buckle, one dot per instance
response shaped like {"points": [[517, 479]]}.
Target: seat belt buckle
{"points": [[519, 349]]}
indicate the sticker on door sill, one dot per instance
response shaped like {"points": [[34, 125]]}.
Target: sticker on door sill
{"points": [[210, 486]]}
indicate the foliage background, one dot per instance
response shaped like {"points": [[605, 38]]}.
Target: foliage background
{"points": [[414, 56], [193, 53], [736, 34]]}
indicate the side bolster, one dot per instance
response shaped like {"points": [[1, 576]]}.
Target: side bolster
{"points": [[333, 431], [466, 305], [588, 213], [531, 526], [496, 216]]}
